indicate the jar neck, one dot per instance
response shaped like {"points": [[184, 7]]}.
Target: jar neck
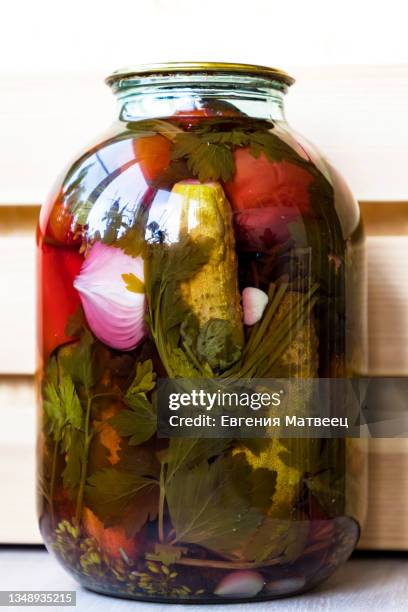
{"points": [[162, 96]]}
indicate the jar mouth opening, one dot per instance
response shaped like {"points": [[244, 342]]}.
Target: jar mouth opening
{"points": [[204, 68]]}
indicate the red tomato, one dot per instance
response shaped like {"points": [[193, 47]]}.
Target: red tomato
{"points": [[195, 112], [267, 196], [60, 227], [110, 539], [58, 268], [153, 155], [192, 117]]}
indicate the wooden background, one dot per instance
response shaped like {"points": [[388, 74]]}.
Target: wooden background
{"points": [[357, 116]]}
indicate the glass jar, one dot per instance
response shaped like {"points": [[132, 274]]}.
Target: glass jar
{"points": [[200, 237]]}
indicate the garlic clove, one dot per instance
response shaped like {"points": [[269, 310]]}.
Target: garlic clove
{"points": [[243, 583], [114, 314], [285, 586], [254, 302]]}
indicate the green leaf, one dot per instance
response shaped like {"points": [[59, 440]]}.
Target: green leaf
{"points": [[208, 150], [207, 161], [206, 510], [55, 417], [216, 346], [274, 148], [139, 423], [109, 492], [138, 460], [70, 402], [256, 486], [71, 474], [181, 260], [64, 416], [277, 538], [62, 407], [166, 266], [186, 452], [133, 283], [144, 380], [189, 330], [77, 360]]}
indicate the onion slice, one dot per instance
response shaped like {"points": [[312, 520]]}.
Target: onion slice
{"points": [[114, 313]]}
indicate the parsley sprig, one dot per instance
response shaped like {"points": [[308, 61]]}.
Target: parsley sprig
{"points": [[69, 395], [209, 150]]}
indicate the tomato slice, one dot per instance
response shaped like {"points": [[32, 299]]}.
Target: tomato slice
{"points": [[153, 155], [60, 225], [191, 117], [266, 196], [58, 268]]}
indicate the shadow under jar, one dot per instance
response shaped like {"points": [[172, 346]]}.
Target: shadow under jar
{"points": [[201, 237]]}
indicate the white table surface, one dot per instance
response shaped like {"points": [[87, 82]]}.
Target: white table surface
{"points": [[368, 583]]}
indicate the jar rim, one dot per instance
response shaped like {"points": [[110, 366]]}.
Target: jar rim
{"points": [[172, 68]]}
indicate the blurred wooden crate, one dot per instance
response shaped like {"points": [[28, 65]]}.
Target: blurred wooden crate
{"points": [[18, 522], [386, 226], [386, 526]]}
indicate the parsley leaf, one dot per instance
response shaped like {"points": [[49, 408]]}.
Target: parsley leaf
{"points": [[185, 452], [77, 360], [144, 380], [110, 491], [206, 510], [256, 486], [55, 418], [126, 494], [208, 151], [209, 161], [70, 402], [167, 265], [140, 422], [276, 538], [216, 346], [64, 420], [61, 405]]}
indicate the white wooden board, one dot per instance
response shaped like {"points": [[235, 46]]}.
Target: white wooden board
{"points": [[355, 114]]}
